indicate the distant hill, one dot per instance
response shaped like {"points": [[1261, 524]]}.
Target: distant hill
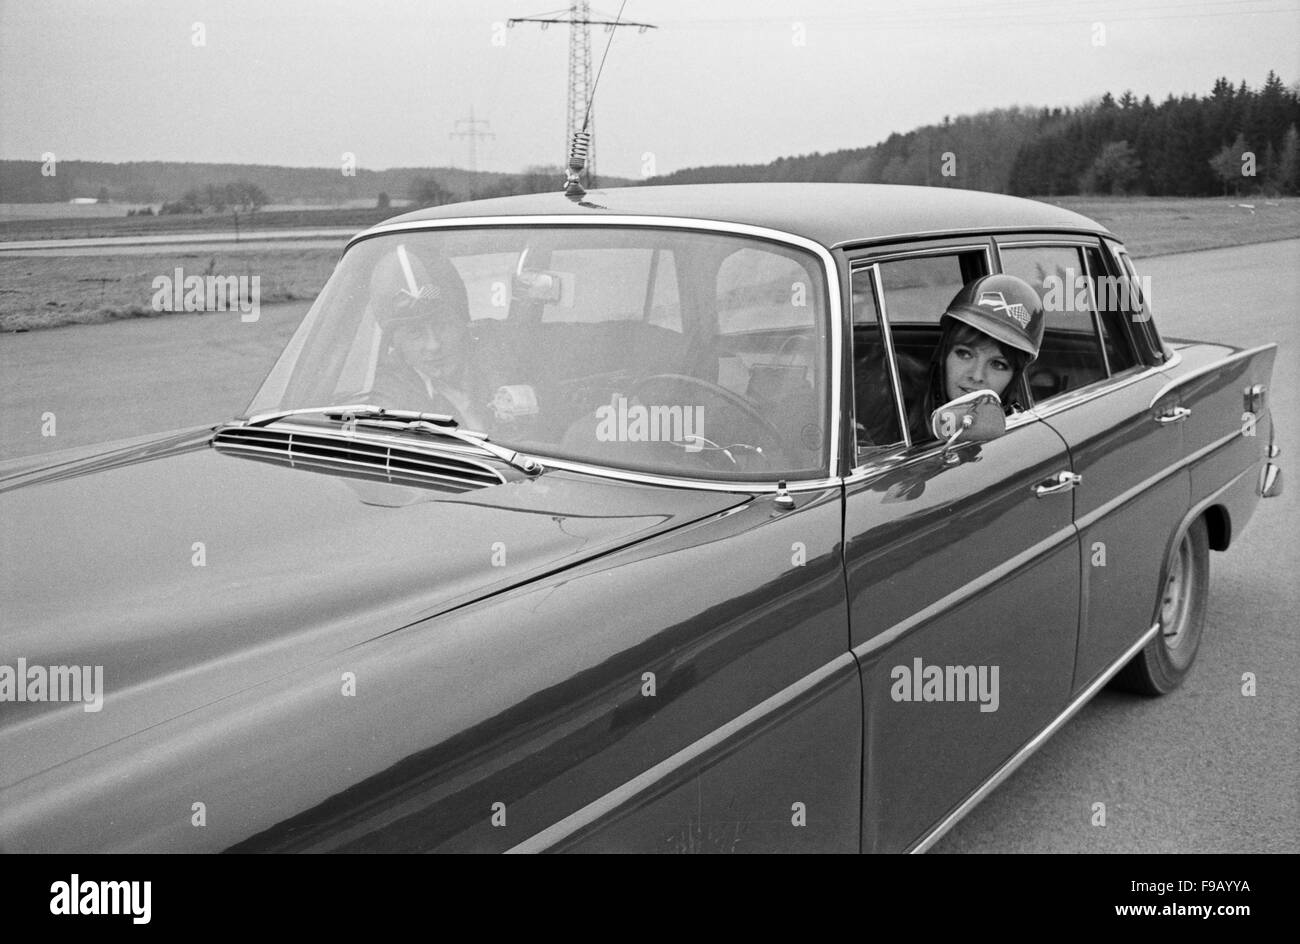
{"points": [[144, 182], [1235, 139]]}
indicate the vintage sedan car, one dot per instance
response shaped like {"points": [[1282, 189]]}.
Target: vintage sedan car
{"points": [[596, 525]]}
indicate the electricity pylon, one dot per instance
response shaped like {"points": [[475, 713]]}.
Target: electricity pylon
{"points": [[468, 128], [580, 85]]}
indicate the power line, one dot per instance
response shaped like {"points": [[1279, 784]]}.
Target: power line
{"points": [[581, 87]]}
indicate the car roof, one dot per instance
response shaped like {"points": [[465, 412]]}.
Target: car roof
{"points": [[831, 214]]}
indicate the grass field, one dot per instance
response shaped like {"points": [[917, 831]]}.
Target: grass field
{"points": [[45, 292], [1158, 226], [91, 226], [49, 291]]}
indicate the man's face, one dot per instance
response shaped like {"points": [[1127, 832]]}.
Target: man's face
{"points": [[431, 346], [976, 364]]}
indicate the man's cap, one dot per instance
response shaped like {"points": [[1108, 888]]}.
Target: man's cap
{"points": [[405, 287]]}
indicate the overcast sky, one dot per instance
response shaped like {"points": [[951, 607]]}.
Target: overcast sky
{"points": [[300, 82]]}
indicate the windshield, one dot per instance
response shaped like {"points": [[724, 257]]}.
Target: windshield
{"points": [[650, 349]]}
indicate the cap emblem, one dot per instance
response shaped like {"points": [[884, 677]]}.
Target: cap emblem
{"points": [[997, 301]]}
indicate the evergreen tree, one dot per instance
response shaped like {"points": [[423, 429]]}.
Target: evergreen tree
{"points": [[1227, 164]]}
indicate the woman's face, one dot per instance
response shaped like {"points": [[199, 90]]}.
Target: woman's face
{"points": [[976, 364], [433, 349]]}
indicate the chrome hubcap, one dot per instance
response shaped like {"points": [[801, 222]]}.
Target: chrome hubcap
{"points": [[1174, 606]]}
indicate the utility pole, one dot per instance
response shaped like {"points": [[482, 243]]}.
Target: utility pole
{"points": [[580, 86], [469, 128]]}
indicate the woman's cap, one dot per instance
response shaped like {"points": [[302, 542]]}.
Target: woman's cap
{"points": [[1005, 308]]}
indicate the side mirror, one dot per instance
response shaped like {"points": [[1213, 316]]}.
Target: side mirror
{"points": [[973, 417]]}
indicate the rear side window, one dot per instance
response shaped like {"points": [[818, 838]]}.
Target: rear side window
{"points": [[1112, 305], [1072, 354], [1137, 307]]}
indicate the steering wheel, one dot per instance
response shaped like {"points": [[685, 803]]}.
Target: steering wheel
{"points": [[756, 430]]}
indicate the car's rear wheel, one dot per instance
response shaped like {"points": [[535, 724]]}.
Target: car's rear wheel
{"points": [[1165, 661]]}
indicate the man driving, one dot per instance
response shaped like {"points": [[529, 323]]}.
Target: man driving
{"points": [[423, 312]]}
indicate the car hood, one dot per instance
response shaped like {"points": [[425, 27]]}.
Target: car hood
{"points": [[177, 567]]}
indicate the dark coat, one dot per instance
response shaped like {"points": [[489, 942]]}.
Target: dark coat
{"points": [[399, 387]]}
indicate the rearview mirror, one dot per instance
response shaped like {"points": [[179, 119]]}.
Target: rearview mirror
{"points": [[553, 288], [973, 417]]}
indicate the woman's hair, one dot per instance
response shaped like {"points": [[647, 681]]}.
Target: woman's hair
{"points": [[958, 332]]}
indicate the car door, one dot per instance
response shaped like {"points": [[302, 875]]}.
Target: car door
{"points": [[1092, 385], [962, 578]]}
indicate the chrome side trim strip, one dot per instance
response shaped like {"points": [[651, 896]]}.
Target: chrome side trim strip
{"points": [[969, 589], [834, 309], [1092, 391], [897, 457], [1127, 495], [1209, 368], [1007, 769], [609, 803]]}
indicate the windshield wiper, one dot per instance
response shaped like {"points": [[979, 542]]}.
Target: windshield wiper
{"points": [[265, 419], [439, 424]]}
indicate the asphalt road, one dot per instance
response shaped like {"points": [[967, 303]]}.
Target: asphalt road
{"points": [[1205, 769], [127, 378]]}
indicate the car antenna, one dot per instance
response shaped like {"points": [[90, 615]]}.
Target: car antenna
{"points": [[581, 143]]}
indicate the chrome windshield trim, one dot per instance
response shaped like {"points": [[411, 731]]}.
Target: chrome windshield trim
{"points": [[830, 272], [1207, 369], [683, 481], [1006, 770]]}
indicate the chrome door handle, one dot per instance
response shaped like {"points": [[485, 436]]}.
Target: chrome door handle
{"points": [[1060, 482], [1176, 415]]}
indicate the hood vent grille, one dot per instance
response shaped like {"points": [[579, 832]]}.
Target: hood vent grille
{"points": [[365, 458]]}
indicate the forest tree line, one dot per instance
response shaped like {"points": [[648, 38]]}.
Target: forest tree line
{"points": [[1236, 140]]}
